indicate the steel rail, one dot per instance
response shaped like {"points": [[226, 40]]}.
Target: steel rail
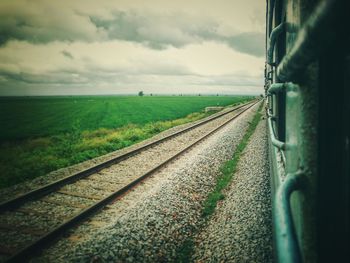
{"points": [[46, 189], [44, 241]]}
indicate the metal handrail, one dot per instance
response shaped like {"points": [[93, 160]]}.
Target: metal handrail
{"points": [[279, 144], [269, 75], [277, 87], [270, 14], [311, 40], [274, 118], [280, 87], [271, 116], [287, 246], [288, 250], [273, 38]]}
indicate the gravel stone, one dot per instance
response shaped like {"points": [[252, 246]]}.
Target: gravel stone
{"points": [[150, 222], [51, 211], [240, 229]]}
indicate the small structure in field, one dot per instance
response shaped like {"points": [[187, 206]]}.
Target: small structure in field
{"points": [[214, 108]]}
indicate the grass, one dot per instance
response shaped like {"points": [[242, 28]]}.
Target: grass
{"points": [[23, 117], [227, 172], [41, 143], [228, 169], [184, 253]]}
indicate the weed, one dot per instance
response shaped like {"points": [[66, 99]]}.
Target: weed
{"points": [[229, 168], [183, 254], [227, 172]]}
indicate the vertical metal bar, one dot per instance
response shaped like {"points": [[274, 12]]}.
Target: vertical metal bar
{"points": [[288, 250], [270, 14], [273, 38], [279, 144], [287, 247]]}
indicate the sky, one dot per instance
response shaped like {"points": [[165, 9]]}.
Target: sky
{"points": [[81, 47]]}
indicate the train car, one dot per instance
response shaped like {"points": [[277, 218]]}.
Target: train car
{"points": [[307, 85]]}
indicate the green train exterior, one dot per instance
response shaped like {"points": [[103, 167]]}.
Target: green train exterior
{"points": [[307, 85]]}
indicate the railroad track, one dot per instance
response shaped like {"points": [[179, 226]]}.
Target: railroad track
{"points": [[29, 222]]}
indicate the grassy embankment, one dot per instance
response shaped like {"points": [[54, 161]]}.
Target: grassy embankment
{"points": [[39, 135], [227, 172]]}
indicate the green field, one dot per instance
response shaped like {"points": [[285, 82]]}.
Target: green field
{"points": [[42, 134]]}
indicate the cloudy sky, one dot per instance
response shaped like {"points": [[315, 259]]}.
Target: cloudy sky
{"points": [[120, 47]]}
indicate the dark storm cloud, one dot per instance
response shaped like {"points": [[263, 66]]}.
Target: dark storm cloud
{"points": [[177, 30], [36, 30], [61, 78], [250, 43], [156, 31], [42, 22], [67, 54]]}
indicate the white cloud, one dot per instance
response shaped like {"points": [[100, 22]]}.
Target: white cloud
{"points": [[56, 47]]}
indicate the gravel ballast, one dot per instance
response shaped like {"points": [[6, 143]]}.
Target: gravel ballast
{"points": [[50, 211], [240, 229], [151, 221]]}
